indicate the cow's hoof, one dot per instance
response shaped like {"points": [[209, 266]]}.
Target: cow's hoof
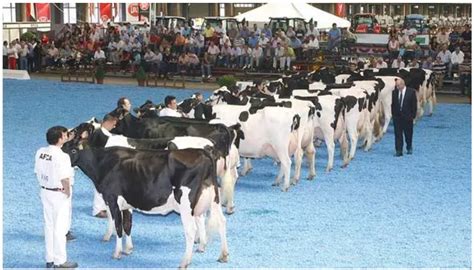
{"points": [[431, 114], [117, 255], [106, 238], [230, 210], [128, 251], [328, 169], [275, 184], [201, 249], [344, 166], [285, 189], [223, 258], [310, 177]]}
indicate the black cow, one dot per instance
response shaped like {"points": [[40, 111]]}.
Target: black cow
{"points": [[156, 182]]}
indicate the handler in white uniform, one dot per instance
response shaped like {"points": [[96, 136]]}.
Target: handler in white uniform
{"points": [[171, 107], [54, 173]]}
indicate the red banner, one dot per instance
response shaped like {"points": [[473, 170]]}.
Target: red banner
{"points": [[43, 12], [31, 11], [105, 11], [341, 10]]}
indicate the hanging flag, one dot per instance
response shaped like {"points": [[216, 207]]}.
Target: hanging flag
{"points": [[91, 11], [43, 12], [105, 11], [31, 11], [341, 10]]}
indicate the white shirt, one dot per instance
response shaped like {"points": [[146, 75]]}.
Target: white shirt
{"points": [[457, 58], [5, 50], [445, 56], [51, 166], [404, 90], [313, 44], [313, 32], [381, 65], [396, 65], [170, 112], [99, 54], [256, 53]]}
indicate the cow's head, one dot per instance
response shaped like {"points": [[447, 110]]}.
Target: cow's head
{"points": [[147, 110], [188, 104]]}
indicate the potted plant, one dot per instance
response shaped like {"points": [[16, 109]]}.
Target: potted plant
{"points": [[100, 74], [226, 80], [141, 76]]}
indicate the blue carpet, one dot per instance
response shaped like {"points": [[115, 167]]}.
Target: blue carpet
{"points": [[381, 211]]}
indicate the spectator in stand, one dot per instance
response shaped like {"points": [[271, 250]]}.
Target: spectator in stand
{"points": [[213, 51], [297, 47], [257, 57], [445, 56], [239, 41], [186, 31], [65, 56], [12, 55], [192, 62], [300, 31], [256, 30], [206, 66], [457, 58], [125, 57], [99, 56], [200, 42], [279, 53], [244, 32], [235, 56], [454, 35], [263, 41], [465, 78], [253, 40], [267, 57], [208, 32], [31, 56], [410, 47], [246, 57], [266, 31], [381, 63], [290, 32], [182, 63], [23, 55], [219, 29], [393, 48], [152, 60], [5, 54], [466, 35], [224, 39], [312, 31], [334, 37], [442, 38], [233, 32], [310, 48], [371, 64], [439, 69], [401, 41], [113, 52], [224, 56], [137, 60], [179, 43], [288, 56], [428, 63], [414, 63]]}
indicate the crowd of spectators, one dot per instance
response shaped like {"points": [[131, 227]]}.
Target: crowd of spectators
{"points": [[183, 49]]}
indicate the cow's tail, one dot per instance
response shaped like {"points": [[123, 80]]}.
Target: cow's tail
{"points": [[433, 93], [209, 150], [227, 185]]}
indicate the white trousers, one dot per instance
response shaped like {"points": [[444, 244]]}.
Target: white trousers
{"points": [[98, 204], [56, 208], [69, 219]]}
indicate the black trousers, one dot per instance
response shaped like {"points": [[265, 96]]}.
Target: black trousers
{"points": [[403, 127], [5, 62]]}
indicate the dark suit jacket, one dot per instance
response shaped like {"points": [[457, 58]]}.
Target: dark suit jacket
{"points": [[98, 139], [409, 105]]}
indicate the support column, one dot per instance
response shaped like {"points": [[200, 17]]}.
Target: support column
{"points": [[229, 9]]}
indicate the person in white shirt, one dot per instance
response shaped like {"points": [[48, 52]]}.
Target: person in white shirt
{"points": [[213, 51], [457, 57], [153, 60], [99, 56], [381, 63], [235, 56], [12, 56], [445, 56], [5, 54], [23, 54], [312, 31], [398, 63], [98, 139], [171, 107], [55, 175], [310, 46], [279, 52], [257, 56]]}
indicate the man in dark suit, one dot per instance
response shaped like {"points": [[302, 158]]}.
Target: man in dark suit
{"points": [[404, 106]]}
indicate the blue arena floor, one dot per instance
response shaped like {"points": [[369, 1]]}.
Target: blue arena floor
{"points": [[381, 211]]}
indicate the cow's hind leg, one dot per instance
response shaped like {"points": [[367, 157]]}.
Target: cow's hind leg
{"points": [[247, 167], [310, 152], [201, 231], [117, 218], [110, 226], [217, 222], [127, 227], [190, 228]]}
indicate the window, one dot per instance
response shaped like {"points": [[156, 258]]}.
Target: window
{"points": [[244, 5], [221, 9], [69, 12], [8, 12]]}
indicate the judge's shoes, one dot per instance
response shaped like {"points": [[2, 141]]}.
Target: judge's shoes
{"points": [[70, 237], [67, 265], [409, 151], [49, 264], [398, 154]]}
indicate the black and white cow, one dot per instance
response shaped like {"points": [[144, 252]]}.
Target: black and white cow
{"points": [[156, 181]]}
